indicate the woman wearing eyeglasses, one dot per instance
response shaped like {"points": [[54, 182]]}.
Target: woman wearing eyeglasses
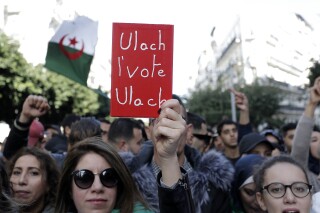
{"points": [[283, 186], [34, 177]]}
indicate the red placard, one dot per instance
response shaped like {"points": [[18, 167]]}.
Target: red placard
{"points": [[141, 76]]}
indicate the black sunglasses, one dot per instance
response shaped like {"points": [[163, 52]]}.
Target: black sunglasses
{"points": [[206, 138], [84, 178]]}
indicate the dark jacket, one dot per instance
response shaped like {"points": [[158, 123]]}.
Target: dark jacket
{"points": [[18, 138], [210, 180], [176, 200]]}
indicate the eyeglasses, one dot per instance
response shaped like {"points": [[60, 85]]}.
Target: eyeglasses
{"points": [[84, 178], [278, 190], [206, 138]]}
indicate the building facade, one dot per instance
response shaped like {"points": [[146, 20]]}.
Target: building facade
{"points": [[272, 48]]}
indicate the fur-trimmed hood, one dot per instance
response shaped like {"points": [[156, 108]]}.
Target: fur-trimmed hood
{"points": [[210, 169], [144, 178], [215, 168]]}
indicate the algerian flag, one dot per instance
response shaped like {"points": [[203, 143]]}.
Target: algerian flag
{"points": [[71, 49]]}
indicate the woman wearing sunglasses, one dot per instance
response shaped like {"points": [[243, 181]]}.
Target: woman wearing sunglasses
{"points": [[95, 179], [283, 186], [34, 177]]}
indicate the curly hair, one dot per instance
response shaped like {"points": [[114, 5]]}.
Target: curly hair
{"points": [[48, 168]]}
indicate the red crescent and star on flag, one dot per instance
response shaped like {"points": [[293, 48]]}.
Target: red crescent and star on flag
{"points": [[73, 41]]}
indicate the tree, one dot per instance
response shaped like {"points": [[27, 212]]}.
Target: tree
{"points": [[264, 103], [314, 72], [12, 78], [215, 105], [18, 79]]}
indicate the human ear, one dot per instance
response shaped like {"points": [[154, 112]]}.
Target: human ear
{"points": [[260, 201], [123, 146], [189, 134]]}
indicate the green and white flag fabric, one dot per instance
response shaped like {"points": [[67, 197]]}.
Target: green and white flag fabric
{"points": [[71, 49]]}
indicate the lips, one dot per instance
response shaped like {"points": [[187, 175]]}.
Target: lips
{"points": [[97, 203], [21, 194], [97, 200], [291, 211]]}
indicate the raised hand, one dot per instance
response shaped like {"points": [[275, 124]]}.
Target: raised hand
{"points": [[315, 92], [241, 100], [34, 106], [168, 129]]}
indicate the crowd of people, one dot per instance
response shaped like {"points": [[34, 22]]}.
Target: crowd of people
{"points": [[175, 163]]}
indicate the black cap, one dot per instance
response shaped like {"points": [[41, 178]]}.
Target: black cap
{"points": [[272, 132], [251, 140], [53, 126], [57, 144]]}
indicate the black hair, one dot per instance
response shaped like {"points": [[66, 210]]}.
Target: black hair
{"points": [[84, 128], [287, 127], [144, 133], [122, 128], [104, 120], [195, 120], [69, 119], [174, 96], [185, 115], [225, 122], [316, 128]]}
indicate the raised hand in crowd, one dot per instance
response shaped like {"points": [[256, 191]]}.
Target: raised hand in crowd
{"points": [[168, 128], [314, 99], [174, 193], [173, 162], [241, 100], [242, 104], [34, 106], [302, 144]]}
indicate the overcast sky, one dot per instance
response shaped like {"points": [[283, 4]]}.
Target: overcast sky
{"points": [[193, 21]]}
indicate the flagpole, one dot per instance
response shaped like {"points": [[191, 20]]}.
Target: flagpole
{"points": [[233, 107], [232, 96]]}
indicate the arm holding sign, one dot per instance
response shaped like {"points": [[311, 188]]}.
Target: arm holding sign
{"points": [[173, 186]]}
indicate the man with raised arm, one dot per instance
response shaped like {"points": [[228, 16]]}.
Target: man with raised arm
{"points": [[231, 132]]}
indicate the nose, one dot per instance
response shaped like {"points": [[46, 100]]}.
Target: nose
{"points": [[97, 185], [289, 196], [256, 204], [23, 180], [256, 207]]}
